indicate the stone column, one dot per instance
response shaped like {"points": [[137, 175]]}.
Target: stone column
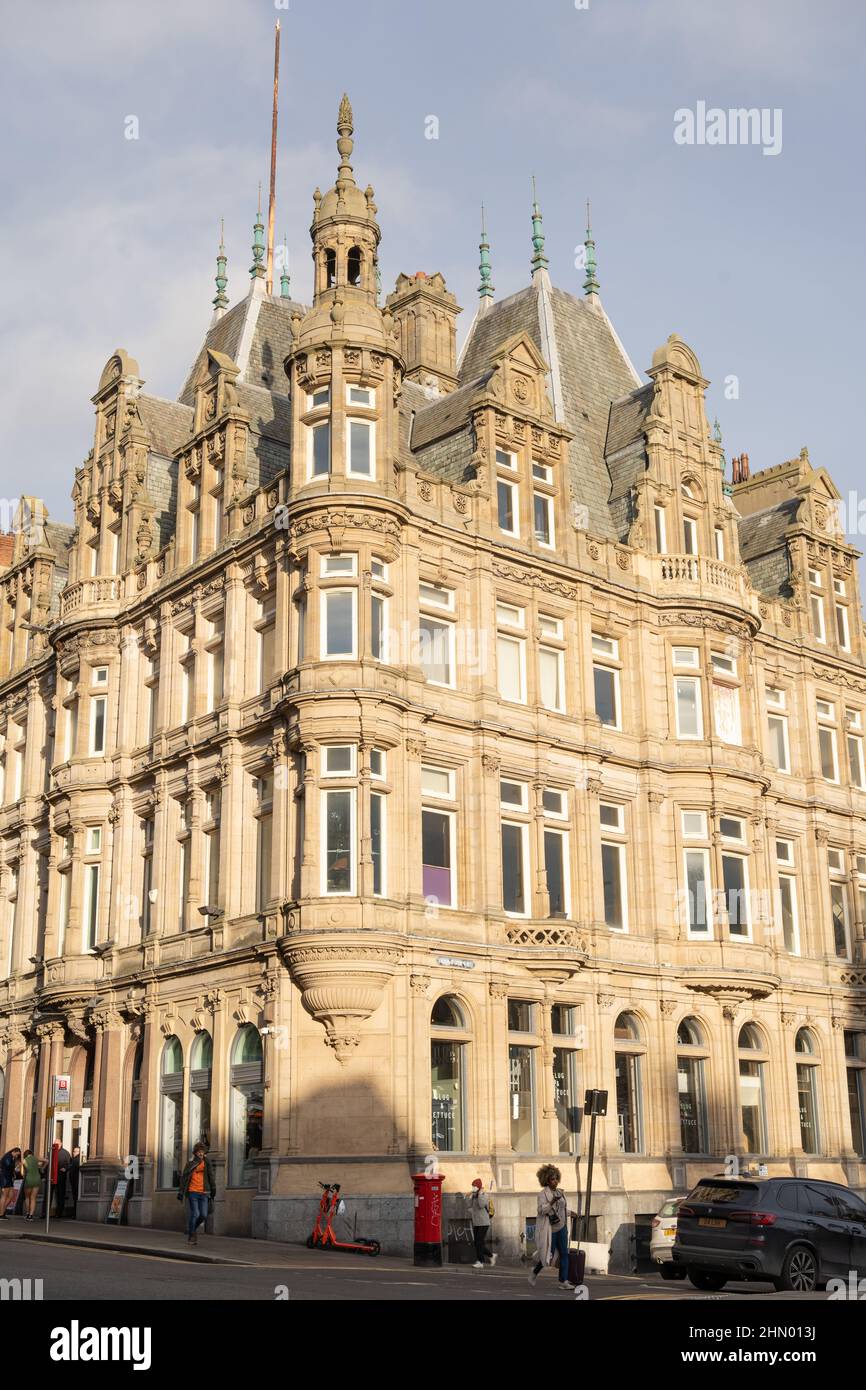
{"points": [[15, 1128], [141, 1203], [106, 1133], [281, 856], [365, 839], [310, 868], [232, 832], [219, 1101]]}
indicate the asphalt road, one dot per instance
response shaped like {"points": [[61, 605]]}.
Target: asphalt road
{"points": [[96, 1275]]}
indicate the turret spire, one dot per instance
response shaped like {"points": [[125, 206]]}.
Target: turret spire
{"points": [[285, 292], [590, 284], [539, 260], [345, 145], [257, 270], [220, 302], [485, 288]]}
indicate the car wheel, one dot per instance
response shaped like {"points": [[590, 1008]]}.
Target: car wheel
{"points": [[708, 1280], [800, 1270], [669, 1270]]}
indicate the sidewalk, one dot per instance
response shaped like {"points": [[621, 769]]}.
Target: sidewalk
{"points": [[146, 1240]]}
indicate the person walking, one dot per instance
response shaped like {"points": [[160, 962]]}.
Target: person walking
{"points": [[480, 1211], [60, 1159], [74, 1177], [551, 1226], [32, 1183], [198, 1186], [8, 1175]]}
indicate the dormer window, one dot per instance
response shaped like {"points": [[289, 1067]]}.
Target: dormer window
{"points": [[353, 265], [330, 268]]}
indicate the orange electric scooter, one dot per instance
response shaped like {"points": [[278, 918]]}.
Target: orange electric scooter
{"points": [[323, 1237]]}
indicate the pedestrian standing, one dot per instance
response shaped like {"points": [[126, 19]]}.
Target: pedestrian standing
{"points": [[198, 1186], [61, 1159], [8, 1174], [74, 1176], [32, 1181], [480, 1211], [551, 1226]]}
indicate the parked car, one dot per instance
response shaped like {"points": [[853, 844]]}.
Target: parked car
{"points": [[664, 1230], [795, 1233]]}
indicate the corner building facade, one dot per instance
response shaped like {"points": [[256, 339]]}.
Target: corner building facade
{"points": [[396, 746]]}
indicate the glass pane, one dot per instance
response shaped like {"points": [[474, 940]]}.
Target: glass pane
{"points": [[520, 1015], [840, 935], [778, 747], [434, 644], [170, 1164], [360, 460], [522, 1099], [735, 904], [605, 694], [446, 1066], [827, 745], [786, 908], [436, 856], [628, 1101], [508, 658], [549, 664], [321, 450], [688, 717], [690, 1085], [541, 509], [504, 495], [726, 704], [856, 1108], [247, 1118], [554, 866], [807, 1099], [339, 636], [339, 848], [565, 1097], [377, 840], [513, 886], [752, 1105], [612, 881], [696, 892], [377, 627]]}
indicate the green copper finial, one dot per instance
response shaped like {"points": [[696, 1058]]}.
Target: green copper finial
{"points": [[590, 284], [485, 289], [539, 260], [285, 292], [220, 300], [257, 270]]}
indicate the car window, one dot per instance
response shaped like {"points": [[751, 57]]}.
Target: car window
{"points": [[786, 1196], [851, 1208], [821, 1202], [669, 1209], [732, 1193]]}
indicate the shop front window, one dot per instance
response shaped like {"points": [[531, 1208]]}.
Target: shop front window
{"points": [[629, 1099], [807, 1092], [448, 1077], [171, 1114], [201, 1064], [753, 1108], [691, 1088], [247, 1107], [521, 1064], [565, 1097]]}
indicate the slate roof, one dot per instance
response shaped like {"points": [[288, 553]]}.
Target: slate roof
{"points": [[436, 419], [763, 549], [270, 344], [167, 422]]}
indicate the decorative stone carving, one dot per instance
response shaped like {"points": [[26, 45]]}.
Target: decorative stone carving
{"points": [[342, 982]]}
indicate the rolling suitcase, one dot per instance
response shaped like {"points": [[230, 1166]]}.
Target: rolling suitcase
{"points": [[576, 1265]]}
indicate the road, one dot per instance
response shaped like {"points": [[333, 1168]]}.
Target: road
{"points": [[95, 1275]]}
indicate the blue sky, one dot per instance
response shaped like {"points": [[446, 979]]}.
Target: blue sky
{"points": [[756, 261]]}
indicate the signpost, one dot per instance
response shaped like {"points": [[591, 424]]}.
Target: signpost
{"points": [[595, 1104], [58, 1100]]}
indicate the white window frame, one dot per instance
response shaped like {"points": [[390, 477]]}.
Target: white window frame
{"points": [[505, 458], [696, 682], [311, 431], [559, 657], [95, 702], [661, 529], [700, 833], [352, 794], [686, 658], [520, 644], [370, 427], [562, 813], [690, 535], [514, 491], [324, 655], [709, 932], [563, 836], [438, 795], [351, 771], [525, 866], [744, 860], [547, 500], [620, 848], [369, 392], [509, 807]]}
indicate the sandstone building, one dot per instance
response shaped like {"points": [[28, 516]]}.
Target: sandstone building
{"points": [[396, 745]]}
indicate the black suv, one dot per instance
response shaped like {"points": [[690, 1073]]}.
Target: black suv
{"points": [[792, 1232]]}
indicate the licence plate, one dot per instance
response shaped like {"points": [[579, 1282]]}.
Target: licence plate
{"points": [[669, 1232], [712, 1221]]}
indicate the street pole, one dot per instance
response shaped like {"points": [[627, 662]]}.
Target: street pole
{"points": [[48, 1185], [588, 1205]]}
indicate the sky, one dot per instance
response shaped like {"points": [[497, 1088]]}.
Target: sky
{"points": [[755, 259]]}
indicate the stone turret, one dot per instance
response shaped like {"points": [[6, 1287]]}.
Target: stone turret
{"points": [[425, 313]]}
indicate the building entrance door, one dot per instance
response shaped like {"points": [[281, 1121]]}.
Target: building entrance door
{"points": [[73, 1130]]}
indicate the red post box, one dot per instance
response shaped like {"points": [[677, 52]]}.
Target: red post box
{"points": [[428, 1219]]}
